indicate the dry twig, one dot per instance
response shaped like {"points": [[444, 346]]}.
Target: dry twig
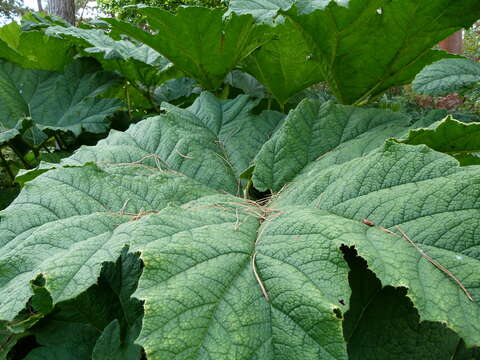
{"points": [[436, 264], [262, 287], [183, 156]]}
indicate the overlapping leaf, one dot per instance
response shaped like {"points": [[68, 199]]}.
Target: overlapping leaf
{"points": [[284, 65], [431, 198], [368, 46], [101, 323], [227, 278], [91, 201], [212, 141], [34, 101], [33, 49], [313, 130], [382, 323], [138, 63], [452, 137], [198, 41]]}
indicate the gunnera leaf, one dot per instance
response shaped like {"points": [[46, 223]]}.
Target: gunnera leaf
{"points": [[198, 41], [452, 137], [382, 322], [33, 49], [367, 47], [137, 62], [212, 141], [447, 76], [229, 278], [315, 129], [268, 10], [36, 102], [284, 64], [101, 323], [98, 201]]}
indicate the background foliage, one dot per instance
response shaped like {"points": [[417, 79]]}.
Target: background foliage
{"points": [[125, 10]]}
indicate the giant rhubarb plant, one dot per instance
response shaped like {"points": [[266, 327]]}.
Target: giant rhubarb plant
{"points": [[226, 277], [223, 232]]}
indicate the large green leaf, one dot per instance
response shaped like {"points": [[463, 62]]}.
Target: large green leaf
{"points": [[452, 137], [98, 201], [315, 129], [213, 141], [447, 76], [103, 321], [297, 258], [284, 65], [33, 49], [228, 278], [138, 63], [198, 41], [51, 101], [382, 323], [432, 199], [267, 10], [369, 46]]}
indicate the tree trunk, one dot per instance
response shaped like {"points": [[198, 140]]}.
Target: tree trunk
{"points": [[39, 4], [63, 8], [453, 44]]}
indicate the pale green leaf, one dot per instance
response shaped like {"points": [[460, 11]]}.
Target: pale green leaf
{"points": [[247, 83], [447, 76], [98, 201], [175, 89], [212, 141], [432, 199], [316, 129], [267, 10], [227, 278]]}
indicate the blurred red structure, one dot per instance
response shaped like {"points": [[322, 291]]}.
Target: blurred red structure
{"points": [[453, 44]]}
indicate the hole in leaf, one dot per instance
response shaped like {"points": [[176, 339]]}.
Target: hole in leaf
{"points": [[338, 313], [383, 320], [22, 348]]}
